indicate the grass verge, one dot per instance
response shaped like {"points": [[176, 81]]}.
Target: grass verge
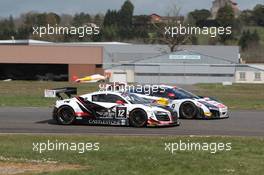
{"points": [[141, 155], [237, 96], [30, 93]]}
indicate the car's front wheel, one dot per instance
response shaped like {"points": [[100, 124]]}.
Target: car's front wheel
{"points": [[138, 118], [188, 110], [65, 115]]}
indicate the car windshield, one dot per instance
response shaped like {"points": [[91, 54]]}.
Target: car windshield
{"points": [[183, 94], [135, 99]]}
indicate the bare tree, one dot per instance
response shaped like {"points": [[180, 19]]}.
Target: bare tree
{"points": [[167, 30]]}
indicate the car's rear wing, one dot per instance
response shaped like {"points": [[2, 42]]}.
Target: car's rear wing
{"points": [[57, 92]]}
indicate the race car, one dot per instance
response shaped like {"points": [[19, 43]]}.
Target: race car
{"points": [[110, 108], [187, 104]]}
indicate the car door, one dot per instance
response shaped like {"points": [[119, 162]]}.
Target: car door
{"points": [[115, 105]]}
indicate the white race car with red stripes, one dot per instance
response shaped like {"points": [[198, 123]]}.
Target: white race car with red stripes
{"points": [[112, 108]]}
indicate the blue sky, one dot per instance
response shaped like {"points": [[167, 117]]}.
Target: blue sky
{"points": [[16, 7]]}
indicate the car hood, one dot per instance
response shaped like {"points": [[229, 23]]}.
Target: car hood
{"points": [[211, 103]]}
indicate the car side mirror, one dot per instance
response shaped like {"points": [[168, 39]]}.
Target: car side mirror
{"points": [[120, 102]]}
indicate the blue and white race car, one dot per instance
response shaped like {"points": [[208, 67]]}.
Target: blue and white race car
{"points": [[187, 104]]}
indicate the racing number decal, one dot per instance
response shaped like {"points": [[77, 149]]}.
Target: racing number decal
{"points": [[121, 112]]}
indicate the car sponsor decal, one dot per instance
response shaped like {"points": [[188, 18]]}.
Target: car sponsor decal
{"points": [[123, 122], [105, 114], [121, 112], [90, 105], [90, 113]]}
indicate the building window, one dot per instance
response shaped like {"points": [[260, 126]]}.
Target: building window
{"points": [[98, 65], [257, 76], [242, 76]]}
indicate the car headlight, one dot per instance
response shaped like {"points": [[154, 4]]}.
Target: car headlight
{"points": [[160, 112], [151, 112]]}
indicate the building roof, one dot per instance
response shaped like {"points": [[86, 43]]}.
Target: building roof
{"points": [[160, 53], [257, 66], [38, 42], [26, 42], [126, 53]]}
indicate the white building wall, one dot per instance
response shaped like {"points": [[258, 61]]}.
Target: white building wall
{"points": [[124, 76], [250, 77]]}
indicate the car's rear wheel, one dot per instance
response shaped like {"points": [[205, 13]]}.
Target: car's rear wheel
{"points": [[138, 118], [65, 115], [188, 110]]}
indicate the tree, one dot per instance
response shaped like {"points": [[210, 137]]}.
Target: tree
{"points": [[110, 26], [246, 17], [118, 24], [199, 16], [225, 18], [111, 18], [52, 18], [161, 34], [110, 33], [41, 19], [141, 26], [98, 19], [81, 19], [66, 19], [7, 28], [248, 40], [243, 40], [255, 36], [126, 14], [258, 14]]}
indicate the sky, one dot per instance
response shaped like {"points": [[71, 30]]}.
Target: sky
{"points": [[16, 7]]}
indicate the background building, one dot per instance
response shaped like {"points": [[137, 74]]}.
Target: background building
{"points": [[252, 73], [132, 63], [36, 60], [154, 64]]}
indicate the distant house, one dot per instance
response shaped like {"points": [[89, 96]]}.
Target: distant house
{"points": [[155, 18], [250, 73], [217, 4]]}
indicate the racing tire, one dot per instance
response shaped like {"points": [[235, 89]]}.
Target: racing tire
{"points": [[65, 115], [188, 110], [138, 118]]}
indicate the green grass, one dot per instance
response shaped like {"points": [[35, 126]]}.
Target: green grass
{"points": [[237, 96], [144, 155], [30, 94]]}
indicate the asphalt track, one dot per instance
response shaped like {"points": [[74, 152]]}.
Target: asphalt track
{"points": [[38, 120]]}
